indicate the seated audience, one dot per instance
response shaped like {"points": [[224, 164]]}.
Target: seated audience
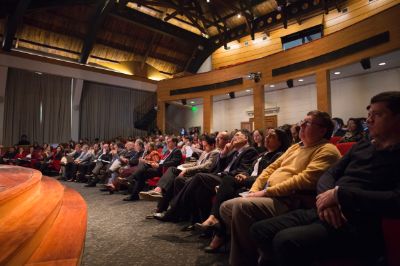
{"points": [[294, 131], [67, 161], [258, 141], [21, 154], [280, 187], [195, 197], [276, 143], [354, 196], [9, 155], [122, 160], [354, 131], [134, 160], [102, 160], [175, 177], [338, 130], [172, 157], [78, 164]]}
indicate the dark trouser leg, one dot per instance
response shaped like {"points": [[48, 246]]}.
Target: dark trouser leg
{"points": [[205, 193], [167, 180], [166, 183], [194, 195], [179, 184], [97, 168], [227, 190], [278, 236], [139, 178]]}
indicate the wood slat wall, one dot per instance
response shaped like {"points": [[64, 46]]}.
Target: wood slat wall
{"points": [[384, 21], [357, 10]]}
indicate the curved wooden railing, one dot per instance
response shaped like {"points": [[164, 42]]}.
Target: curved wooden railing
{"points": [[41, 221]]}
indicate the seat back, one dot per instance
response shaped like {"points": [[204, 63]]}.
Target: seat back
{"points": [[344, 147]]}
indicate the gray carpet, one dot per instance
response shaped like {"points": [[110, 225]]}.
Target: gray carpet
{"points": [[119, 234]]}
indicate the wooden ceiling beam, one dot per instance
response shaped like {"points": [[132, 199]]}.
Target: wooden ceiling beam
{"points": [[43, 26], [102, 10], [157, 25], [12, 23], [149, 47]]}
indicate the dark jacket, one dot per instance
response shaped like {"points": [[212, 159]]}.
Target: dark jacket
{"points": [[242, 164]]}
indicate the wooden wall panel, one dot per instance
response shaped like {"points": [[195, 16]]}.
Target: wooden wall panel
{"points": [[384, 21], [358, 10], [323, 91]]}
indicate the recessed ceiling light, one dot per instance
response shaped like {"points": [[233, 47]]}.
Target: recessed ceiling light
{"points": [[272, 86], [239, 15], [248, 90], [208, 1], [301, 80], [336, 73], [192, 102], [39, 73], [382, 64]]}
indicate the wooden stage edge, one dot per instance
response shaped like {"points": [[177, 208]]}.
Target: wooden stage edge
{"points": [[42, 222]]}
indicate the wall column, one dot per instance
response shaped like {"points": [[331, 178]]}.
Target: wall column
{"points": [[324, 91], [3, 84], [259, 106], [77, 86], [207, 113], [161, 116]]}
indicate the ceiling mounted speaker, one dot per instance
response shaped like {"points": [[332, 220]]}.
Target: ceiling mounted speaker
{"points": [[289, 83], [183, 101], [365, 63], [232, 95]]}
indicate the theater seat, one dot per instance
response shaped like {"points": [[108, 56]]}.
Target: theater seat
{"points": [[334, 140], [344, 147], [152, 182], [391, 232]]}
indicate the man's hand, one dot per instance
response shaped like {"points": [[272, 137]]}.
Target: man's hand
{"points": [[333, 216], [240, 177], [257, 194], [123, 159], [154, 165], [182, 173], [327, 199], [228, 147]]}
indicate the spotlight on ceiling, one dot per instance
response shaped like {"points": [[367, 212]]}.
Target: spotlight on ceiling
{"points": [[365, 63], [289, 83], [232, 95]]}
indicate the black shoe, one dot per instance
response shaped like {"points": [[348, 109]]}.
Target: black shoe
{"points": [[216, 245], [131, 198], [91, 184], [206, 228], [103, 189], [188, 228], [167, 216]]}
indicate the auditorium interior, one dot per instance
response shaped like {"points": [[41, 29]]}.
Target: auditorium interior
{"points": [[147, 75]]}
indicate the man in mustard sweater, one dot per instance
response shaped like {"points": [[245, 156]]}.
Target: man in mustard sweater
{"points": [[281, 185]]}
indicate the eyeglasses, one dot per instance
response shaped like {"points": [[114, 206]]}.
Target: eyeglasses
{"points": [[307, 123]]}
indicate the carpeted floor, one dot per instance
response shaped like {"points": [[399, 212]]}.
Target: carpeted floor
{"points": [[119, 234]]}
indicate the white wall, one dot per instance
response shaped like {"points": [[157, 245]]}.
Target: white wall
{"points": [[294, 103], [206, 66], [195, 118], [228, 114], [350, 96]]}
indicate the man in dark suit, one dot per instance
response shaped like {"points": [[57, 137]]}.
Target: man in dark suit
{"points": [[236, 157], [354, 196], [172, 157]]}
